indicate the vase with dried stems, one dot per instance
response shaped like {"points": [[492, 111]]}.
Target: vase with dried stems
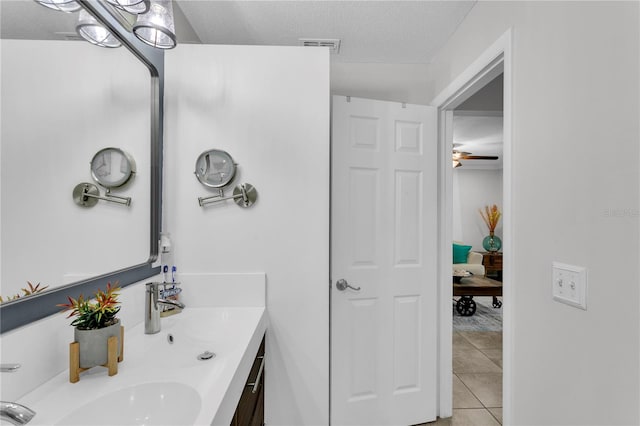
{"points": [[491, 216]]}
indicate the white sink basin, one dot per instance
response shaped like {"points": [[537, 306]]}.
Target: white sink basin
{"points": [[161, 381], [145, 404]]}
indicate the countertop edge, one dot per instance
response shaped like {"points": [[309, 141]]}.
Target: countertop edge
{"points": [[227, 407]]}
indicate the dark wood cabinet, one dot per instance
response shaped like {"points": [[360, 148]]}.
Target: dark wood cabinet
{"points": [[492, 262], [250, 410]]}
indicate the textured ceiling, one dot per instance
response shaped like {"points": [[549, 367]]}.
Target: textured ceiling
{"points": [[385, 45], [389, 32], [407, 32]]}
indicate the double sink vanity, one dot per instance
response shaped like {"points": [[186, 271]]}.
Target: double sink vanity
{"points": [[194, 371], [164, 378]]}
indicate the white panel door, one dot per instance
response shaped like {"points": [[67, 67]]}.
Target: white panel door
{"points": [[383, 244]]}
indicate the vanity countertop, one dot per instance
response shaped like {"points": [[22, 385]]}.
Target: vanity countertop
{"points": [[234, 334]]}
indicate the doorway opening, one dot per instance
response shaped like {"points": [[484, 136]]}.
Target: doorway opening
{"points": [[477, 160], [493, 64]]}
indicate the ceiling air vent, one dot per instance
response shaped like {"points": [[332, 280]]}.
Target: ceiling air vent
{"points": [[332, 43]]}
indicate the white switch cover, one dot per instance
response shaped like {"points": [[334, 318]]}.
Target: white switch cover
{"points": [[570, 285]]}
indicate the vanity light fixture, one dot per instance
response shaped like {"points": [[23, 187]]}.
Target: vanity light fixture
{"points": [[156, 27], [95, 33], [134, 7], [66, 6], [154, 23]]}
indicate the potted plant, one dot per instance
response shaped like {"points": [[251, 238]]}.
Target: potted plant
{"points": [[31, 290], [95, 322]]}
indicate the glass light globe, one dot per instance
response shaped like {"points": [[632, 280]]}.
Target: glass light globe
{"points": [[135, 7], [91, 30], [156, 27], [66, 6]]}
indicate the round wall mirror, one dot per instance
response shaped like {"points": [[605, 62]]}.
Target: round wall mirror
{"points": [[215, 168], [112, 167]]}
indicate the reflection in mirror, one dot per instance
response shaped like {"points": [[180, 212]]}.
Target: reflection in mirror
{"points": [[62, 102]]}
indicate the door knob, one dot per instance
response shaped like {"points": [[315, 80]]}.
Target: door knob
{"points": [[342, 285]]}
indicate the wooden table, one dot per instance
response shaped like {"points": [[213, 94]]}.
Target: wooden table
{"points": [[475, 286], [492, 262]]}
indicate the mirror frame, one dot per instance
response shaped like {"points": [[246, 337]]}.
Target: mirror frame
{"points": [[23, 311]]}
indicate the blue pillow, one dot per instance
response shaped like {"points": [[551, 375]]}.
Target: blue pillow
{"points": [[460, 253]]}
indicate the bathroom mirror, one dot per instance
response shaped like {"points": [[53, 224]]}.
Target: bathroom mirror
{"points": [[56, 114]]}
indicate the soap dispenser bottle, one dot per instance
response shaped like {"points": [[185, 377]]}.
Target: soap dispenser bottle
{"points": [[169, 289], [166, 256]]}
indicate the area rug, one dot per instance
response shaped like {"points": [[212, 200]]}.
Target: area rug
{"points": [[486, 318]]}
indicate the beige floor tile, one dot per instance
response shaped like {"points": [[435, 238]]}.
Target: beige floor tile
{"points": [[462, 396], [494, 355], [483, 339], [459, 342], [442, 422], [439, 422], [497, 413], [487, 387], [472, 417], [466, 417], [471, 360]]}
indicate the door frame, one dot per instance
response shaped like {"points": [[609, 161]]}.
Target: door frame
{"points": [[495, 59]]}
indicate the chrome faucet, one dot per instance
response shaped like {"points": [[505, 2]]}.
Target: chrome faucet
{"points": [[152, 307], [15, 414]]}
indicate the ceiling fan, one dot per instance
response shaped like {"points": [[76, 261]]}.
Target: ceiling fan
{"points": [[463, 155]]}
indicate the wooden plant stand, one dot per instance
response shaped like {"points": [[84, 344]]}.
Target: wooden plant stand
{"points": [[112, 357]]}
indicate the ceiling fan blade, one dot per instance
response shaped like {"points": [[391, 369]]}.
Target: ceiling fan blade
{"points": [[479, 157], [457, 155]]}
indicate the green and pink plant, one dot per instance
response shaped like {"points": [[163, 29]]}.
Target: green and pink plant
{"points": [[26, 291], [93, 315]]}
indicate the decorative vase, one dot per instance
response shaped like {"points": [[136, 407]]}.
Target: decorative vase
{"points": [[491, 242], [93, 344]]}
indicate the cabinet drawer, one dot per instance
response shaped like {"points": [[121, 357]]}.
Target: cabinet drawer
{"points": [[250, 410], [492, 260], [495, 261]]}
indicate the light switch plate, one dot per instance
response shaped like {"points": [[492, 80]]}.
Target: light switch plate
{"points": [[569, 285]]}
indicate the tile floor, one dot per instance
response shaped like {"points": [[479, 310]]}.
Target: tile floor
{"points": [[477, 379]]}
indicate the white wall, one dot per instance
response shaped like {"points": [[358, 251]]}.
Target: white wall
{"points": [[269, 108], [385, 82], [575, 199], [62, 102], [472, 190]]}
